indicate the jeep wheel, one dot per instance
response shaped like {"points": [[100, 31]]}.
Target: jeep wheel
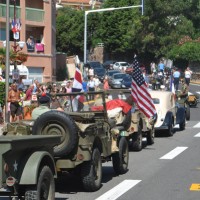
{"points": [[58, 123], [187, 112], [91, 172], [170, 130], [45, 189], [151, 136], [120, 159], [136, 144], [182, 125]]}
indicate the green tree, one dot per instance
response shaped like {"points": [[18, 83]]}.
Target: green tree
{"points": [[70, 31]]}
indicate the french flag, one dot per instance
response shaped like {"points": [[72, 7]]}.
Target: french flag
{"points": [[77, 83], [77, 87]]}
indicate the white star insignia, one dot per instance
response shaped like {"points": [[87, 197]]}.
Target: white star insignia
{"points": [[15, 165]]}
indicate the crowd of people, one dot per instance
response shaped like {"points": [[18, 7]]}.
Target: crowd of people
{"points": [[161, 75], [19, 97]]}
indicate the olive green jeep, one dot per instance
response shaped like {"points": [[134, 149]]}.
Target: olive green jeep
{"points": [[88, 136]]}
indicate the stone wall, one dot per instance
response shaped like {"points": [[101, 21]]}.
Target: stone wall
{"points": [[97, 54]]}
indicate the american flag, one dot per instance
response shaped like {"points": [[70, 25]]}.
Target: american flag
{"points": [[140, 93]]}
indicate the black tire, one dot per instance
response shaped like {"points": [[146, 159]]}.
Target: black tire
{"points": [[45, 189], [170, 130], [58, 123], [151, 136], [187, 112], [91, 172], [182, 126], [136, 144], [120, 159]]}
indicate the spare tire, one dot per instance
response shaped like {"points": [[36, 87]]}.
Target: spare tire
{"points": [[58, 123]]}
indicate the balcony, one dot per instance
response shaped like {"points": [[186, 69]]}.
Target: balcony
{"points": [[36, 15], [3, 11], [32, 14]]}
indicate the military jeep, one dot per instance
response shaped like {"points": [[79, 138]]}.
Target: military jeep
{"points": [[88, 136]]}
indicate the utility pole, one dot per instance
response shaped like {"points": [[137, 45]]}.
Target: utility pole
{"points": [[7, 57]]}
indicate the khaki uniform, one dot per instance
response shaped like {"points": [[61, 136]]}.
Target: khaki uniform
{"points": [[39, 110]]}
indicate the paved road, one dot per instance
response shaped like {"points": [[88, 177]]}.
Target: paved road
{"points": [[167, 170]]}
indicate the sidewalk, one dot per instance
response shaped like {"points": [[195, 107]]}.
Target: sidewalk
{"points": [[195, 82]]}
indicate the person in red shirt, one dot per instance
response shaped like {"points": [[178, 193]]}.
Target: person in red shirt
{"points": [[29, 92]]}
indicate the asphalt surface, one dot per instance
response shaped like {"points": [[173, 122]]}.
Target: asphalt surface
{"points": [[167, 170], [153, 174]]}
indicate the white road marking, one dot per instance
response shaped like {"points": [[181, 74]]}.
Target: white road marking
{"points": [[118, 190], [197, 125], [198, 92], [197, 135], [189, 93], [175, 152]]}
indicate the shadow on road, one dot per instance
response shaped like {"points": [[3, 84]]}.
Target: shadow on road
{"points": [[71, 183]]}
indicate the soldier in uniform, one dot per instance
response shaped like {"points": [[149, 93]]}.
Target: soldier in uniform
{"points": [[184, 89], [44, 106]]}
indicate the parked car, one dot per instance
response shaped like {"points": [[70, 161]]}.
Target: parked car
{"points": [[116, 80], [110, 73], [120, 65], [126, 81], [100, 72], [93, 64], [108, 65], [168, 112]]}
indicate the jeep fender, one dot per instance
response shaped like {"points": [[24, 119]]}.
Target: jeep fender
{"points": [[31, 169], [168, 119], [180, 115]]}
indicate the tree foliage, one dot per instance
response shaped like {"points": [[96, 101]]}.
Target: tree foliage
{"points": [[70, 31], [155, 34]]}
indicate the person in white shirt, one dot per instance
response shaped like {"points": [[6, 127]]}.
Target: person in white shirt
{"points": [[91, 72], [91, 86], [97, 83], [188, 74]]}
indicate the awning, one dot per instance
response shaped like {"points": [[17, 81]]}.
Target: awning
{"points": [[23, 70]]}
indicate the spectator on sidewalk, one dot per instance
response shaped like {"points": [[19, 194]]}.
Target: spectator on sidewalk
{"points": [[176, 76], [14, 99], [188, 74]]}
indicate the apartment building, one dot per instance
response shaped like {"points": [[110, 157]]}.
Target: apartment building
{"points": [[38, 31]]}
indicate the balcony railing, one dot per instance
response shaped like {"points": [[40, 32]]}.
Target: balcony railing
{"points": [[32, 14], [3, 11], [36, 15]]}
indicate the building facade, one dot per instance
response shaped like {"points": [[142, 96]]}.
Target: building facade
{"points": [[38, 31], [81, 4]]}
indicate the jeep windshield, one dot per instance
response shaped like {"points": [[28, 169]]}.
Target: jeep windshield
{"points": [[80, 101]]}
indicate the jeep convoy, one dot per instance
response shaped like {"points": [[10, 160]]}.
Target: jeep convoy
{"points": [[33, 153]]}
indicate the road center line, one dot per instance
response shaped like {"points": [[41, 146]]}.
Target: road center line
{"points": [[118, 190], [197, 135], [197, 125], [175, 152]]}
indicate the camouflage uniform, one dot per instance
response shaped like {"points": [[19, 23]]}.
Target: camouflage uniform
{"points": [[184, 90]]}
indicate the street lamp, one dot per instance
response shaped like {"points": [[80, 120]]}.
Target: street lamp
{"points": [[102, 10]]}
